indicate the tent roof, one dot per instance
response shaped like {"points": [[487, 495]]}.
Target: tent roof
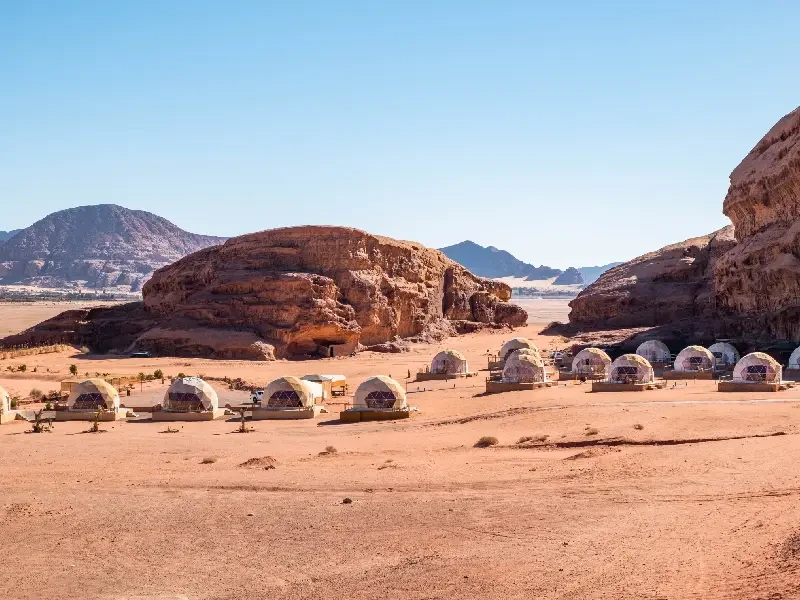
{"points": [[318, 377], [689, 350], [301, 386], [95, 386], [449, 355], [632, 360], [593, 353], [755, 358], [516, 344]]}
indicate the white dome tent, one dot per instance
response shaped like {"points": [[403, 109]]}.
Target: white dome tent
{"points": [[449, 362], [380, 393], [92, 395], [631, 369], [524, 367], [757, 367], [190, 394], [291, 392], [794, 359], [694, 359], [725, 355], [592, 362], [655, 351], [516, 344]]}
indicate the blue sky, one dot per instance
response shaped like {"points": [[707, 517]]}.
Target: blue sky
{"points": [[569, 133]]}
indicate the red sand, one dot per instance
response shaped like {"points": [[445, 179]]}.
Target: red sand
{"points": [[669, 510]]}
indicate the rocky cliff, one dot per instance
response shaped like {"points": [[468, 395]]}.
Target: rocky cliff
{"points": [[293, 292], [571, 276], [759, 280], [671, 284], [747, 285], [103, 246]]}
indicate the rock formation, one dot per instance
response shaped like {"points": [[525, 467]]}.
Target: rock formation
{"points": [[569, 277], [294, 292], [759, 279], [747, 286], [492, 262], [665, 286], [103, 246]]}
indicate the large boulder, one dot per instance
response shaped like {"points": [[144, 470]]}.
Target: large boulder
{"points": [[298, 291]]}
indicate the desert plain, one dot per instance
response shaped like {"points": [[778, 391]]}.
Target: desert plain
{"points": [[676, 493]]}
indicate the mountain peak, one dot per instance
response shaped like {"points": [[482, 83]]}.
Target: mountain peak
{"points": [[493, 262]]}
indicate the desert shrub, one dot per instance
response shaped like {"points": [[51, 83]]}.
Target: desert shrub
{"points": [[95, 428], [208, 460], [591, 431], [487, 441], [73, 370], [40, 424], [638, 426], [48, 405], [35, 394], [331, 449], [158, 374], [22, 368], [14, 402], [181, 375], [533, 438], [525, 438]]}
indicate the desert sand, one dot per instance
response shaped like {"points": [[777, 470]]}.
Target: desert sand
{"points": [[675, 493]]}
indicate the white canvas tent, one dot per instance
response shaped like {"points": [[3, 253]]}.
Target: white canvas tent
{"points": [[655, 351], [516, 344], [449, 362], [757, 367], [694, 359], [592, 361], [190, 394], [524, 366], [631, 368], [725, 355], [291, 392], [93, 395], [380, 393], [794, 359]]}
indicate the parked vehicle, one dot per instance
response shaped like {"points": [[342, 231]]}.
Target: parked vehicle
{"points": [[256, 396], [141, 354]]}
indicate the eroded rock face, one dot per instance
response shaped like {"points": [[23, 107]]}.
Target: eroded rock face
{"points": [[759, 280], [300, 291], [671, 284], [747, 286]]}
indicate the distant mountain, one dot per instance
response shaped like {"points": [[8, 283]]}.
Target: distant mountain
{"points": [[102, 246], [591, 274], [7, 235], [491, 262], [569, 277]]}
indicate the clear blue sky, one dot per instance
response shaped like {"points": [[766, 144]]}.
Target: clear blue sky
{"points": [[569, 133]]}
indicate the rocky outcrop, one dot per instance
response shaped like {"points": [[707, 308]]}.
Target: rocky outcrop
{"points": [[103, 246], [672, 284], [569, 277], [759, 280], [748, 286], [295, 292]]}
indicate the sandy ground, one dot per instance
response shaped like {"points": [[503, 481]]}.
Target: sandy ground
{"points": [[680, 493], [18, 316]]}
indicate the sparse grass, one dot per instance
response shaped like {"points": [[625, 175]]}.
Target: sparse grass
{"points": [[591, 431], [533, 438], [208, 460], [487, 441], [638, 426]]}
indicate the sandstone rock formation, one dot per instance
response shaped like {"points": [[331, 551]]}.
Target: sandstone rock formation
{"points": [[759, 279], [665, 286], [294, 292], [747, 287], [103, 246]]}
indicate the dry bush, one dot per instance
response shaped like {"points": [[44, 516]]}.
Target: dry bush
{"points": [[638, 426], [533, 438], [35, 394], [592, 431], [170, 430], [487, 441], [329, 451], [208, 460]]}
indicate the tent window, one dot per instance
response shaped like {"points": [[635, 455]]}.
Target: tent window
{"points": [[184, 402], [284, 399], [756, 373], [380, 400], [89, 402]]}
